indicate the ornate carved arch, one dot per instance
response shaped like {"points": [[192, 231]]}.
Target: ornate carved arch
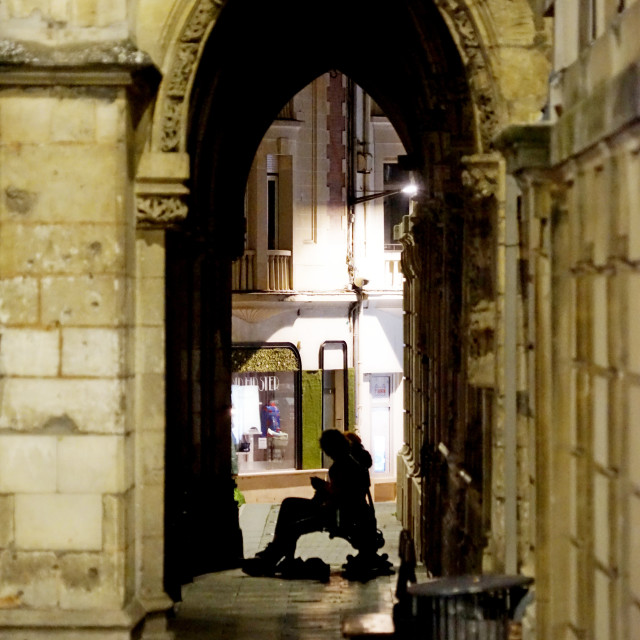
{"points": [[170, 120], [467, 22], [161, 192]]}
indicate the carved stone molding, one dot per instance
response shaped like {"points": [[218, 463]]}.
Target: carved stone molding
{"points": [[411, 460], [474, 55], [255, 315], [153, 211], [161, 193], [180, 74], [481, 177], [101, 64], [190, 43]]}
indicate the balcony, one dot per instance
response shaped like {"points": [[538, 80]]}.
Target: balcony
{"points": [[243, 272], [279, 270], [247, 276], [393, 278]]}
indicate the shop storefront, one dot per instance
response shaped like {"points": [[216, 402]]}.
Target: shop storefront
{"points": [[266, 406]]}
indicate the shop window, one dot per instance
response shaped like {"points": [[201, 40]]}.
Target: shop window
{"points": [[380, 386], [265, 399]]}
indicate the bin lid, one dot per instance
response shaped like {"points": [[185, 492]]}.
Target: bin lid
{"points": [[456, 585]]}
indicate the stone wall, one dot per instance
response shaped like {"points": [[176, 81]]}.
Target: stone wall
{"points": [[67, 353], [81, 326]]}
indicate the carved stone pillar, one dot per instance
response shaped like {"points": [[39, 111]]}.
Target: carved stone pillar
{"points": [[161, 203], [409, 477], [486, 356]]}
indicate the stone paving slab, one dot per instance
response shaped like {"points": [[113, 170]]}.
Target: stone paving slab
{"points": [[229, 605]]}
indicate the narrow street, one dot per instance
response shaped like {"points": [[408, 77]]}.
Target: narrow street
{"points": [[230, 605]]}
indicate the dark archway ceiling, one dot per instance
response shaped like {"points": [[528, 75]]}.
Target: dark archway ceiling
{"points": [[261, 53]]}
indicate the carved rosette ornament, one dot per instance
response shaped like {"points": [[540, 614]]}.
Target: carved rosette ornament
{"points": [[180, 75], [474, 55]]}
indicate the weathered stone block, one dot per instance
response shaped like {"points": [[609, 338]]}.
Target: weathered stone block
{"points": [[602, 514], [150, 350], [58, 522], [151, 390], [633, 220], [633, 311], [91, 580], [633, 435], [152, 577], [27, 464], [66, 183], [63, 405], [6, 521], [601, 416], [525, 92], [153, 455], [92, 352], [29, 352], [25, 118], [96, 13], [150, 253], [110, 121], [61, 249], [151, 301], [19, 300], [83, 301], [91, 464], [114, 526], [600, 325], [154, 510], [29, 579], [73, 120], [634, 551]]}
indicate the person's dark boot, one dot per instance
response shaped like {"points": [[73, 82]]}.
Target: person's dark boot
{"points": [[264, 563]]}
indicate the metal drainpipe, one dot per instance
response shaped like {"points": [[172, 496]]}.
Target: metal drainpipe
{"points": [[510, 376], [354, 309]]}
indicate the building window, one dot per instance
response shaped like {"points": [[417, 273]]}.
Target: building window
{"points": [[266, 406], [273, 202], [380, 386], [396, 206]]}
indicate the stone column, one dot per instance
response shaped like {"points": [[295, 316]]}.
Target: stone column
{"points": [[71, 502], [526, 149], [161, 203], [409, 481], [489, 363]]}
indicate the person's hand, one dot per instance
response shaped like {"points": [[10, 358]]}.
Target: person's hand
{"points": [[317, 483]]}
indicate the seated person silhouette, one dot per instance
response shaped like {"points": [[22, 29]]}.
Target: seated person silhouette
{"points": [[342, 506]]}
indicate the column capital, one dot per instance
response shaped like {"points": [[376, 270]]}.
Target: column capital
{"points": [[525, 146], [161, 192], [481, 175]]}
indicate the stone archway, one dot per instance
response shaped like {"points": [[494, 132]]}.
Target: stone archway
{"points": [[453, 93]]}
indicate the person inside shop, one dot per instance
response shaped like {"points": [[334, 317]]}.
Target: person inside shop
{"points": [[271, 419], [340, 506]]}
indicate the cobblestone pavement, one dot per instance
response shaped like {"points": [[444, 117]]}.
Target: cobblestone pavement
{"points": [[232, 606]]}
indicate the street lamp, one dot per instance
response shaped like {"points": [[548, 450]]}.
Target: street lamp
{"points": [[410, 189]]}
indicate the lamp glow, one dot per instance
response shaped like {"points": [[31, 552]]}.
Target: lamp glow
{"points": [[410, 189]]}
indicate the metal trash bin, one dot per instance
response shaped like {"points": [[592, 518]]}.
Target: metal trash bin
{"points": [[468, 607]]}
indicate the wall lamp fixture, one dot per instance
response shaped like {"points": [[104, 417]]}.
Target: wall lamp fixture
{"points": [[409, 189]]}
